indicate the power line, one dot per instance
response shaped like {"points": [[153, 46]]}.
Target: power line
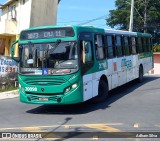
{"points": [[92, 20], [70, 21], [83, 22]]}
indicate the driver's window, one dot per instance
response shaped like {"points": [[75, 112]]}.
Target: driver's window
{"points": [[86, 51]]}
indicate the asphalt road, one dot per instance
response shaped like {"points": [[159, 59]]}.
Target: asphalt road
{"points": [[134, 107]]}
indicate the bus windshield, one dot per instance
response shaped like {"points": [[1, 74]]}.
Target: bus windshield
{"points": [[55, 58]]}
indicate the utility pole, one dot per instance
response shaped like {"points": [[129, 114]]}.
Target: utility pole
{"points": [[145, 16], [131, 16]]}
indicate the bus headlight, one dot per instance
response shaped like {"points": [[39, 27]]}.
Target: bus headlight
{"points": [[74, 86]]}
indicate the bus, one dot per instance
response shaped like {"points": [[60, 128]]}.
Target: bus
{"points": [[71, 64]]}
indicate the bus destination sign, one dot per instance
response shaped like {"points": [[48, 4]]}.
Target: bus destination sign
{"points": [[47, 33]]}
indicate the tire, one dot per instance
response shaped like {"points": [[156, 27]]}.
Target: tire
{"points": [[140, 78], [102, 92]]}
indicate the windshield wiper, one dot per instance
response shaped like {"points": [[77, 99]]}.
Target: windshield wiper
{"points": [[54, 47], [57, 42]]}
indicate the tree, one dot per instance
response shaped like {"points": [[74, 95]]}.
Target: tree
{"points": [[119, 18]]}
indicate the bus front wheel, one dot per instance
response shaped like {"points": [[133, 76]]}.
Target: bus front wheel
{"points": [[102, 92]]}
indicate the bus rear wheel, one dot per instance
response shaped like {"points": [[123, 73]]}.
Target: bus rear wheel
{"points": [[102, 92], [140, 78]]}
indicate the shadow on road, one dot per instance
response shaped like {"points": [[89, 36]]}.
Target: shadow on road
{"points": [[88, 106]]}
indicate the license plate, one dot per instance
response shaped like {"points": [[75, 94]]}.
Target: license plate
{"points": [[43, 99]]}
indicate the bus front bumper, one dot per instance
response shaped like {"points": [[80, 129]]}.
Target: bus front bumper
{"points": [[72, 97]]}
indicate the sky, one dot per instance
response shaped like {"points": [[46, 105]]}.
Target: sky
{"points": [[78, 12], [82, 11]]}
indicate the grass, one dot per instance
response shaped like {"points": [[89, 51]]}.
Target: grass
{"points": [[8, 88]]}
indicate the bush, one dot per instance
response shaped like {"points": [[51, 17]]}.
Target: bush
{"points": [[156, 48], [8, 88]]}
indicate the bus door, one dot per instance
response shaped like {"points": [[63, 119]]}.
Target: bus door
{"points": [[86, 54]]}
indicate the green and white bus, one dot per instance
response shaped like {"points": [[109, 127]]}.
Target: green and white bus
{"points": [[72, 64]]}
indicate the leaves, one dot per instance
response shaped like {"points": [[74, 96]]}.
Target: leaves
{"points": [[120, 17]]}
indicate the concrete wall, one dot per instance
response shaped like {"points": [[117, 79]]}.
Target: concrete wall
{"points": [[156, 69], [23, 15], [43, 12]]}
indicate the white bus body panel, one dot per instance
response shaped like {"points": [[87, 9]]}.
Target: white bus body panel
{"points": [[87, 87], [120, 71]]}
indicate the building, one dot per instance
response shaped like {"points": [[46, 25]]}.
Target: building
{"points": [[17, 15], [156, 58]]}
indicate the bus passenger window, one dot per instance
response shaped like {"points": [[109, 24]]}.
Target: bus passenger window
{"points": [[140, 49], [144, 44], [99, 46], [126, 45], [118, 44], [148, 44], [110, 46], [133, 45]]}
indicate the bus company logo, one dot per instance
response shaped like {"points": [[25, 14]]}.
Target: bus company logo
{"points": [[126, 63], [45, 71]]}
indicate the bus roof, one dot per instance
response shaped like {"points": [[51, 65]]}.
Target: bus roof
{"points": [[91, 28], [144, 34], [113, 31], [138, 34]]}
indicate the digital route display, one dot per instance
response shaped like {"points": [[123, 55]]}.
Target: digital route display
{"points": [[47, 33]]}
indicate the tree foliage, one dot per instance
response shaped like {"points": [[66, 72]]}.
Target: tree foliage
{"points": [[120, 17]]}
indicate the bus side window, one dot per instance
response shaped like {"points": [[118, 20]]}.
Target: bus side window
{"points": [[118, 44], [133, 45], [144, 44], [110, 46], [140, 49], [148, 44], [99, 47], [126, 45]]}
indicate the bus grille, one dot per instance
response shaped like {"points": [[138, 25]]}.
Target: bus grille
{"points": [[46, 82]]}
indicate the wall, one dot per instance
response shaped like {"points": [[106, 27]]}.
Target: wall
{"points": [[24, 15], [156, 69], [9, 41], [43, 12]]}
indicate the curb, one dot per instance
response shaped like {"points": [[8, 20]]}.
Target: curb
{"points": [[9, 94]]}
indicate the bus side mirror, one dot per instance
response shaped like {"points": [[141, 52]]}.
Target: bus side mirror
{"points": [[13, 51]]}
